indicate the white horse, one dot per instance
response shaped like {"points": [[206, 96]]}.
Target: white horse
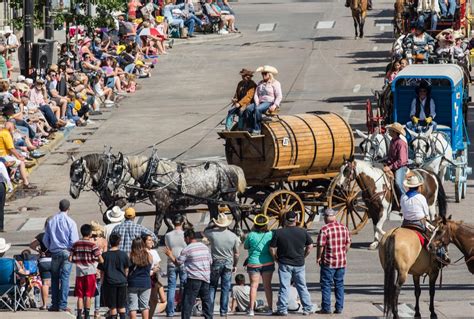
{"points": [[432, 151], [374, 146], [378, 193]]}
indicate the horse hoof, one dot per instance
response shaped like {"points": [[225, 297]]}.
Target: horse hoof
{"points": [[433, 316], [417, 315], [374, 245]]}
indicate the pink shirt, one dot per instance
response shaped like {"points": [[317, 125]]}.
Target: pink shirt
{"points": [[397, 154], [268, 92], [36, 97]]}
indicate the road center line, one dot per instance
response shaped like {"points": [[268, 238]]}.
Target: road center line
{"points": [[356, 88]]}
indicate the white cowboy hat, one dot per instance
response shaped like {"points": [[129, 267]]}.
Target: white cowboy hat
{"points": [[222, 220], [115, 215], [4, 246], [397, 127], [413, 180], [267, 68]]}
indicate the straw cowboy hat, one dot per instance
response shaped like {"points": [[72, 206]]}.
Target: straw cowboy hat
{"points": [[413, 180], [261, 220], [397, 127], [246, 72], [267, 69], [4, 246], [115, 215], [222, 220], [97, 229]]}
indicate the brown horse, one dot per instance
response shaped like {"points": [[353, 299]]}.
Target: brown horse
{"points": [[401, 253], [458, 233], [359, 12], [399, 19]]}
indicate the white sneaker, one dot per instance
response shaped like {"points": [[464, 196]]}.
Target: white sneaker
{"points": [[70, 124], [90, 122], [250, 313], [223, 31]]}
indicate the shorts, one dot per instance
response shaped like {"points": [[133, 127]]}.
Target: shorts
{"points": [[56, 100], [114, 297], [138, 298], [261, 269], [9, 158], [85, 286]]}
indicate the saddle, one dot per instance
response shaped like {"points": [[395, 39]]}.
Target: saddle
{"points": [[422, 236]]}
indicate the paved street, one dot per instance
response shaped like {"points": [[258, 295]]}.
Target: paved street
{"points": [[321, 67]]}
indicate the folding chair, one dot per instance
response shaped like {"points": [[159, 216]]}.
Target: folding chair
{"points": [[8, 285]]}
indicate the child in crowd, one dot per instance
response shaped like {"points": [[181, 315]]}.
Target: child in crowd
{"points": [[85, 254], [393, 72], [139, 281], [114, 271], [240, 295]]}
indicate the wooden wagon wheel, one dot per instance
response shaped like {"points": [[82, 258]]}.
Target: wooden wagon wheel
{"points": [[348, 202], [278, 203]]}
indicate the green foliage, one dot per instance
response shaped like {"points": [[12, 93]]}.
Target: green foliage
{"points": [[102, 18]]}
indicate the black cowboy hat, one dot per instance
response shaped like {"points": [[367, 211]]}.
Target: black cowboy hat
{"points": [[423, 85], [246, 72]]}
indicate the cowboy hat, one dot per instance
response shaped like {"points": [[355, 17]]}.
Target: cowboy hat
{"points": [[413, 180], [4, 246], [53, 68], [97, 229], [246, 72], [115, 215], [222, 220], [330, 212], [267, 69], [21, 78], [397, 127]]}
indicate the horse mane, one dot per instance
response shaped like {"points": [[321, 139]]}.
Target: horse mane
{"points": [[93, 161], [137, 165]]}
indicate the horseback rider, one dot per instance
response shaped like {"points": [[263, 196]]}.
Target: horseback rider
{"points": [[414, 208], [423, 108], [397, 157], [242, 98], [369, 4]]}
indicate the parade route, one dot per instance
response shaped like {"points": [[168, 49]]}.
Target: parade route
{"points": [[321, 67]]}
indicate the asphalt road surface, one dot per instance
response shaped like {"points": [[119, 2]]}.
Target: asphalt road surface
{"points": [[321, 67]]}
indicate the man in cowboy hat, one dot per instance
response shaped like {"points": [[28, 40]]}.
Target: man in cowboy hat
{"points": [[413, 204], [423, 108], [225, 256], [397, 157], [242, 98], [115, 216]]}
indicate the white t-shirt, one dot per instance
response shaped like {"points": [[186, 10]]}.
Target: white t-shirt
{"points": [[414, 208], [156, 258]]}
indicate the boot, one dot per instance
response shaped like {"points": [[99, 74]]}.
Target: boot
{"points": [[182, 33]]}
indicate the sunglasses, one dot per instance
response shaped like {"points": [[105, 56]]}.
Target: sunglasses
{"points": [[264, 73]]}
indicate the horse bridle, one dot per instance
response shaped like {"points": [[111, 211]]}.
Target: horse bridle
{"points": [[374, 145], [363, 188], [85, 178], [424, 152]]}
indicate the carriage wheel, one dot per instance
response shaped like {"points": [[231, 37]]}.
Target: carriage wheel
{"points": [[457, 185], [253, 197], [348, 202], [278, 203]]}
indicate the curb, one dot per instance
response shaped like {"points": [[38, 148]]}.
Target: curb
{"points": [[202, 39]]}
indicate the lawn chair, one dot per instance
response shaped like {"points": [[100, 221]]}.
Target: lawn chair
{"points": [[10, 296]]}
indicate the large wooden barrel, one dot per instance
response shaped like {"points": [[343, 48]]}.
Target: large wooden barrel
{"points": [[293, 147]]}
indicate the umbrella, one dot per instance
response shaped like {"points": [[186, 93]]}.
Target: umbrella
{"points": [[149, 31]]}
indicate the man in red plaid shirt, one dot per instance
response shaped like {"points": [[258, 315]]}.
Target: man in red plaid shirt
{"points": [[334, 241]]}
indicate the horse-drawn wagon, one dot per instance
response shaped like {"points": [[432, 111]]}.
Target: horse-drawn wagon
{"points": [[294, 164], [448, 145]]}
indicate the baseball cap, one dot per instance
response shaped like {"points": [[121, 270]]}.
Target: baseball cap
{"points": [[330, 212], [290, 217], [130, 213]]}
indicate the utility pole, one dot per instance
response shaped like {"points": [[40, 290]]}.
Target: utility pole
{"points": [[28, 30], [48, 21]]}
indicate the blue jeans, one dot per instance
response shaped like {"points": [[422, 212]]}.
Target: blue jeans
{"points": [[173, 274], [48, 115], [60, 272], [129, 68], [97, 297], [254, 115], [178, 22], [192, 289], [286, 273], [400, 177], [190, 22], [229, 121], [328, 277], [450, 9], [434, 19], [222, 271]]}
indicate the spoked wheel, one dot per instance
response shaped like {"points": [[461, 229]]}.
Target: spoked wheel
{"points": [[457, 185], [251, 202], [348, 202], [278, 203]]}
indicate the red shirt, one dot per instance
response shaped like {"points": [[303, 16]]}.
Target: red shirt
{"points": [[397, 154], [334, 238], [85, 252]]}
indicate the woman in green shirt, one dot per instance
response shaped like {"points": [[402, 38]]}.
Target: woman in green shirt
{"points": [[260, 262]]}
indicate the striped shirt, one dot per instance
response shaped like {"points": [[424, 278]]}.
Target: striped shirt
{"points": [[334, 238], [197, 260]]}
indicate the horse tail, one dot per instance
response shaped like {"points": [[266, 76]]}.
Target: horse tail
{"points": [[241, 181], [389, 275], [442, 198]]}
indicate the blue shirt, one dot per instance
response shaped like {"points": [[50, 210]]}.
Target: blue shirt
{"points": [[61, 233]]}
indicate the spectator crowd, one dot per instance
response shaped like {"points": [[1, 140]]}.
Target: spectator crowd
{"points": [[123, 273], [94, 68]]}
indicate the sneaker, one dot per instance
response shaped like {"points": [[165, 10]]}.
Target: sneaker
{"points": [[70, 124], [37, 154], [338, 311], [250, 313], [90, 122], [223, 31], [280, 314]]}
